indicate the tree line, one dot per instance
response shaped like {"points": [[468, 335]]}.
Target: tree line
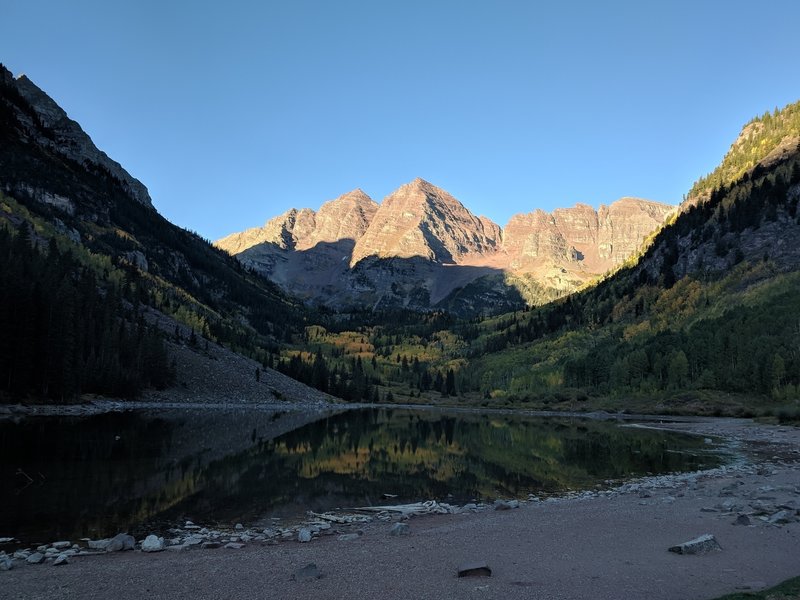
{"points": [[66, 332]]}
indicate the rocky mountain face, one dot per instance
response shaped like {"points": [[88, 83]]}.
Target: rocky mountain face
{"points": [[70, 199], [422, 220], [47, 124], [421, 248], [345, 218]]}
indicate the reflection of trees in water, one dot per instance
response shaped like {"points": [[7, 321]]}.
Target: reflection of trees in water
{"points": [[350, 458], [92, 473], [472, 455]]}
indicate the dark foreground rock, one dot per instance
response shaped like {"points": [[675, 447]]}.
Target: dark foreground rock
{"points": [[474, 569], [307, 573]]}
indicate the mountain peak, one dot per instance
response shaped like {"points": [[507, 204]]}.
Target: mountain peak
{"points": [[357, 195], [420, 182], [420, 219]]}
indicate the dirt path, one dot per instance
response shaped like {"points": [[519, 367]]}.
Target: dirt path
{"points": [[602, 546]]}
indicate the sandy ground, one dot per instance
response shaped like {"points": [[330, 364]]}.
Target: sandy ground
{"points": [[602, 546]]}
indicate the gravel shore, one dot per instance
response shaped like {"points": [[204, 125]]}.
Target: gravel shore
{"points": [[602, 545]]}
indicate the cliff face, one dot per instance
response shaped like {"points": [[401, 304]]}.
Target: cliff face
{"points": [[422, 220], [345, 218], [597, 240], [56, 131], [421, 245]]}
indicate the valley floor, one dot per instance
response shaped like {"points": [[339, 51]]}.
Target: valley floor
{"points": [[605, 545]]}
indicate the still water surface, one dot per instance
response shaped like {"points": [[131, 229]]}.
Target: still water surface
{"points": [[67, 478]]}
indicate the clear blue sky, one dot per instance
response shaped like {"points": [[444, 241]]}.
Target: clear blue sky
{"points": [[233, 112]]}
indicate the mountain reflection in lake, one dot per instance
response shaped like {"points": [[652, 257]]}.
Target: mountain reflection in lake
{"points": [[95, 476]]}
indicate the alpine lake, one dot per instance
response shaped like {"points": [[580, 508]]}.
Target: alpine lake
{"points": [[146, 470]]}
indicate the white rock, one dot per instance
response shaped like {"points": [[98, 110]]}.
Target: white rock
{"points": [[701, 545], [304, 535], [153, 543], [61, 559]]}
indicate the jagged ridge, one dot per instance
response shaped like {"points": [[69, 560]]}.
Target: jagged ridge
{"points": [[347, 254]]}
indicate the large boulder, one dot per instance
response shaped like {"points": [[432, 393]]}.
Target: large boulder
{"points": [[120, 542], [153, 543]]}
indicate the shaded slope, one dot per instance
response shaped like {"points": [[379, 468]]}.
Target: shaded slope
{"points": [[60, 186]]}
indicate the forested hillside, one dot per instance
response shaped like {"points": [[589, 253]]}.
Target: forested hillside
{"points": [[70, 328], [708, 319], [759, 138], [83, 256]]}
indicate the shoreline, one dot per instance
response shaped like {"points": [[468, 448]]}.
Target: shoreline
{"points": [[602, 544], [106, 405]]}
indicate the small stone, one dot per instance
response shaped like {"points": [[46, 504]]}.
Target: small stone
{"points": [[238, 527], [35, 559], [6, 540], [61, 559], [474, 569], [506, 504], [782, 517], [120, 542], [153, 543], [752, 585], [6, 564], [701, 545], [193, 540], [234, 546], [742, 520], [308, 573], [304, 535], [22, 554], [348, 537], [61, 545], [708, 509], [399, 529]]}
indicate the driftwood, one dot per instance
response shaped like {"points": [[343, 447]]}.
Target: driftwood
{"points": [[339, 519], [430, 507]]}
